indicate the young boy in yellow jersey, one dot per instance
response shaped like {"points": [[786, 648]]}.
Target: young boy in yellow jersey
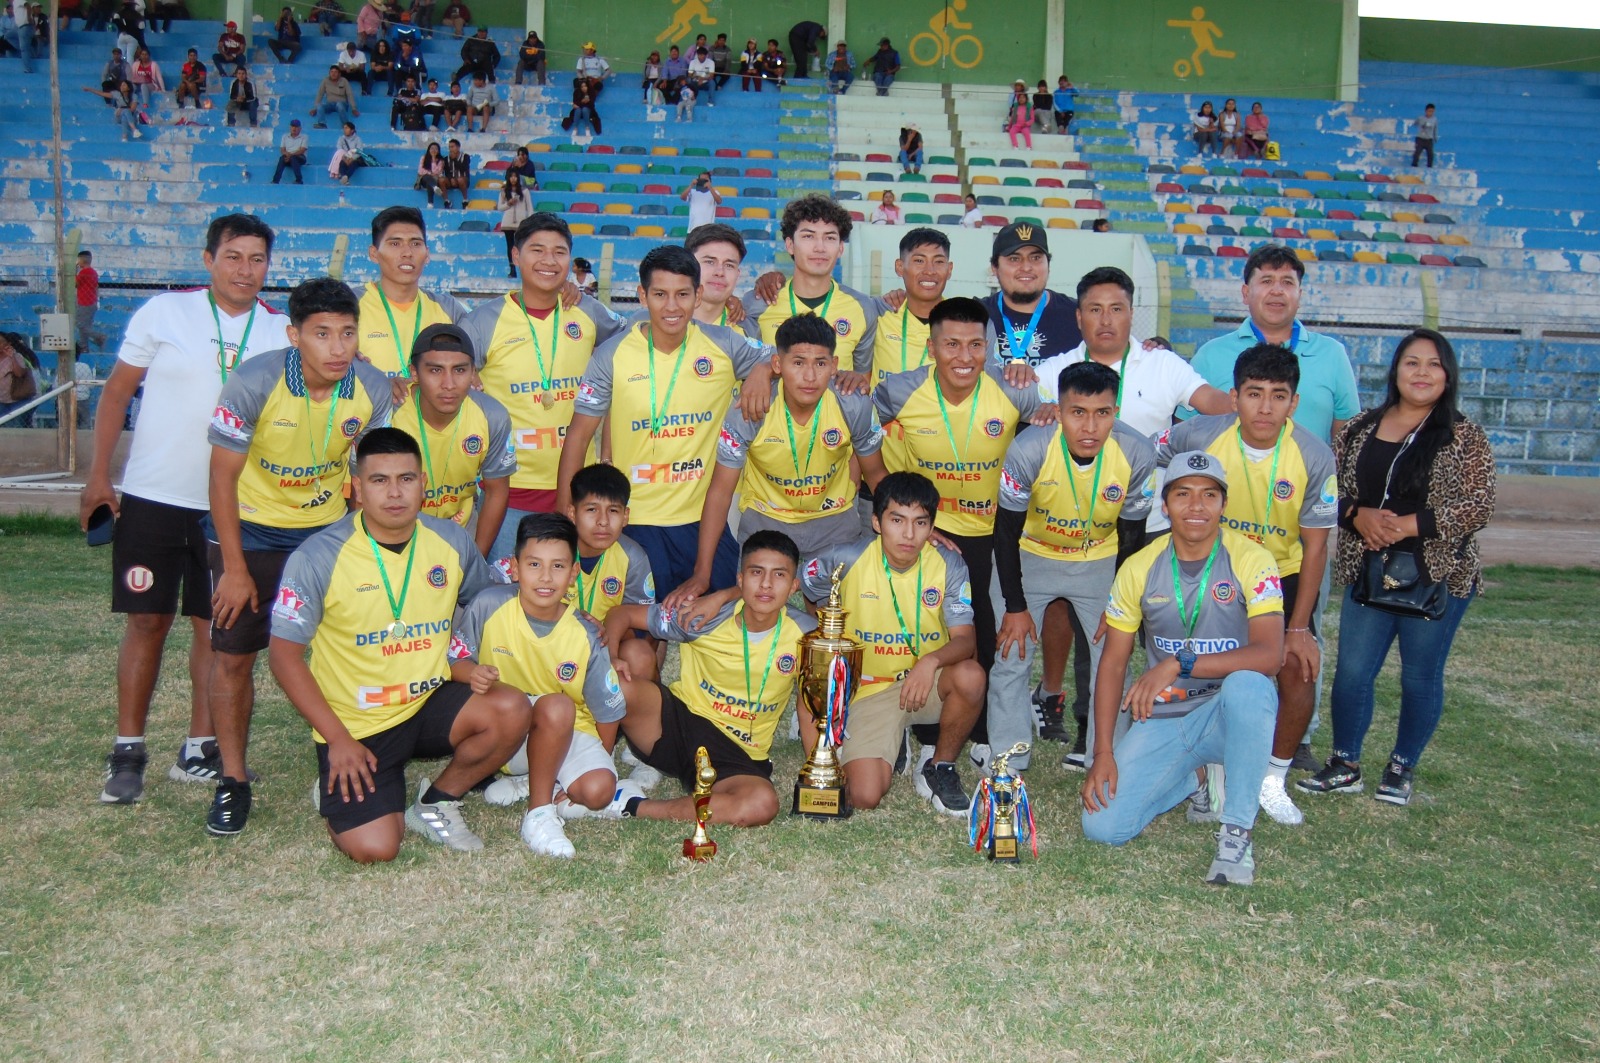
{"points": [[529, 637], [613, 570], [792, 467], [532, 352], [394, 308], [465, 435], [739, 672], [283, 426], [666, 383], [1285, 496], [910, 605], [1073, 502], [372, 598]]}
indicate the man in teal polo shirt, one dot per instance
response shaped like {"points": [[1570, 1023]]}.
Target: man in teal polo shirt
{"points": [[1272, 279]]}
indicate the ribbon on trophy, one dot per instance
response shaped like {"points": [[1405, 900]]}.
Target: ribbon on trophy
{"points": [[838, 701], [1001, 812]]}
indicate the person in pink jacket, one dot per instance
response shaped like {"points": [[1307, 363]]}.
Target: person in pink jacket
{"points": [[1255, 131], [1020, 118]]}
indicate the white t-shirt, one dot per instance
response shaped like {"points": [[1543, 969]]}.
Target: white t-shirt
{"points": [[886, 216], [702, 208], [174, 339], [702, 68], [1157, 383], [972, 219]]}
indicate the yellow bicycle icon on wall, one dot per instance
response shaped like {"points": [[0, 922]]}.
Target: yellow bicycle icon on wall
{"points": [[934, 45]]}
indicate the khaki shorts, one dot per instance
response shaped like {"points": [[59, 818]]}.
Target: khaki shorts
{"points": [[877, 723]]}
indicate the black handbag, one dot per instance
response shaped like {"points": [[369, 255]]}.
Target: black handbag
{"points": [[1394, 580]]}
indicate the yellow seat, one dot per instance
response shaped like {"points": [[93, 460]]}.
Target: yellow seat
{"points": [[1305, 254], [665, 149], [758, 153], [756, 213], [1406, 215], [1318, 175], [1044, 164], [1321, 234], [1296, 193], [1174, 207], [590, 187], [650, 230], [487, 182], [1060, 223], [1277, 212], [581, 228], [985, 179], [726, 191], [1197, 171], [618, 208], [1188, 228], [1055, 203], [847, 175], [481, 204], [627, 167], [1370, 257], [535, 147], [1455, 240], [1408, 179]]}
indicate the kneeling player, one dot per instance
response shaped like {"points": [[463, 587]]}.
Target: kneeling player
{"points": [[739, 672], [529, 637], [910, 605], [377, 691]]}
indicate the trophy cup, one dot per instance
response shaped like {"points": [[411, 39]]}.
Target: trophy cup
{"points": [[1001, 813], [830, 671], [700, 846]]}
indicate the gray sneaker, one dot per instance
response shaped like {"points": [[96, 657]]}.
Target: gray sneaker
{"points": [[124, 780], [1235, 864], [441, 823], [1201, 808], [1395, 786]]}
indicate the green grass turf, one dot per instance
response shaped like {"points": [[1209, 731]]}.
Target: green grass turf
{"points": [[1463, 927]]}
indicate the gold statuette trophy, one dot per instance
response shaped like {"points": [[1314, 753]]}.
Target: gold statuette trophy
{"points": [[700, 846], [830, 671], [1001, 813]]}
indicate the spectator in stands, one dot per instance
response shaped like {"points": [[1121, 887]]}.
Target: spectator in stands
{"points": [[164, 11], [348, 155], [369, 25], [841, 68], [523, 167], [115, 72], [406, 110], [1100, 225], [18, 385], [430, 171], [1416, 483], [408, 65], [722, 60], [1065, 102], [481, 101], [530, 59], [911, 153], [1044, 107], [285, 42], [456, 16], [703, 76], [191, 81], [87, 282], [583, 277], [514, 205], [805, 40], [129, 22], [1204, 128], [750, 67], [973, 218], [455, 107], [773, 62], [593, 68], [884, 64], [433, 104], [1230, 126], [685, 97], [479, 55], [888, 213], [406, 33], [334, 96], [703, 199], [126, 108], [676, 67], [17, 30], [422, 17], [1255, 132], [1019, 118], [457, 173], [292, 153], [583, 110], [242, 96], [230, 49], [328, 14], [381, 65], [652, 74], [98, 16], [146, 77], [353, 65], [1427, 133]]}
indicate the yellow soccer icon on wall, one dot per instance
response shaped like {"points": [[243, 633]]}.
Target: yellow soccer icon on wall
{"points": [[1206, 34]]}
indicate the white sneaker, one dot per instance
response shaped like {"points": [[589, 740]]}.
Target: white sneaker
{"points": [[643, 775], [1275, 802], [794, 725], [981, 756], [441, 823], [541, 830], [924, 791], [568, 809], [627, 790], [507, 790]]}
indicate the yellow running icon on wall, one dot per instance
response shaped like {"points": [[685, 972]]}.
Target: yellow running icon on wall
{"points": [[932, 48], [1206, 34], [683, 20]]}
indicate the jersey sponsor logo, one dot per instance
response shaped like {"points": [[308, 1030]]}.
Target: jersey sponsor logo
{"points": [[1330, 491], [786, 663], [437, 576], [964, 595], [931, 597], [458, 650], [139, 579], [667, 613], [1224, 592], [573, 330], [842, 326], [228, 423], [650, 587], [288, 604], [830, 504], [394, 694], [567, 671], [813, 567], [668, 472], [729, 440], [831, 437], [350, 427], [1113, 493], [611, 586], [1283, 490], [472, 445], [613, 684], [993, 427], [507, 571], [1115, 611], [702, 366], [1167, 645], [548, 438], [1270, 589], [587, 396], [1149, 488], [1164, 438], [1010, 483]]}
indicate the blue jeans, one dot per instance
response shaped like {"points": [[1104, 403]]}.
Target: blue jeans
{"points": [[840, 81], [883, 81], [913, 159], [1365, 635], [20, 36], [338, 107], [1157, 759]]}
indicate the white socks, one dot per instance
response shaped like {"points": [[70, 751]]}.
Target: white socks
{"points": [[1279, 767]]}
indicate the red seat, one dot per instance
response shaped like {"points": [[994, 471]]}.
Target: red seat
{"points": [[726, 212], [728, 153], [996, 221], [585, 208], [879, 157], [601, 149], [497, 165], [856, 215], [1420, 238], [1253, 171], [1283, 232], [947, 197], [1341, 215], [1232, 252], [1209, 208], [657, 190], [1379, 179], [1423, 197], [1435, 260], [759, 171], [1089, 204], [1075, 164], [1170, 188], [946, 179], [1048, 182]]}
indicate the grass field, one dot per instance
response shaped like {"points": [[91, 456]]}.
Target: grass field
{"points": [[1461, 928]]}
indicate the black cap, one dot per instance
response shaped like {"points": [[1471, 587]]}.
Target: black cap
{"points": [[443, 337], [1019, 234]]}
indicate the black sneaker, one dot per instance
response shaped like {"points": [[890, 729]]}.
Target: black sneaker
{"points": [[1077, 757], [230, 808], [207, 767], [1052, 726], [944, 789], [1303, 759], [1395, 786], [902, 760], [124, 781], [1336, 777]]}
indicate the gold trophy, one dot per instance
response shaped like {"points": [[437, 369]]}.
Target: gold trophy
{"points": [[700, 846], [1002, 815], [830, 671]]}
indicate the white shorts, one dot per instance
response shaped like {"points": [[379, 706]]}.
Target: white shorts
{"points": [[584, 755]]}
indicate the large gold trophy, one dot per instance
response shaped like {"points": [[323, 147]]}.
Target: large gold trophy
{"points": [[830, 671], [700, 846]]}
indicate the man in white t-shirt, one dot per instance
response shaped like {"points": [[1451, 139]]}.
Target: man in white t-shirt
{"points": [[703, 200], [702, 74], [180, 346]]}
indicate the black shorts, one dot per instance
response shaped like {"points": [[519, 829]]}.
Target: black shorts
{"points": [[1291, 591], [252, 628], [682, 733], [159, 551], [425, 736]]}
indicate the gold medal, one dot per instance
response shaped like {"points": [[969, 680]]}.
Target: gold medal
{"points": [[546, 399]]}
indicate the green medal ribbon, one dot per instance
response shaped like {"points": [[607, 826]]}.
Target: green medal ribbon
{"points": [[1089, 542], [724, 321], [905, 320], [888, 576], [972, 415], [546, 376], [317, 462], [422, 437], [794, 451], [594, 587], [1122, 368], [1187, 620], [1272, 476], [656, 416], [394, 331], [395, 607], [744, 633], [244, 341], [794, 310]]}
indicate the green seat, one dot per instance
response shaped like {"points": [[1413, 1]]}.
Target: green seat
{"points": [[914, 178], [1386, 237], [596, 167], [1329, 193], [1254, 230], [678, 232], [1233, 190], [1344, 175], [681, 210], [1373, 215], [692, 170], [941, 160], [570, 149], [1400, 258], [979, 160], [557, 186], [1243, 210], [661, 168], [919, 219], [627, 188], [548, 206], [696, 152], [563, 167], [1224, 171], [1303, 212], [1017, 182], [1359, 195], [914, 197], [1032, 221], [1022, 201]]}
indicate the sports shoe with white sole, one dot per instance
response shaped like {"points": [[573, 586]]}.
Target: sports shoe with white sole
{"points": [[507, 790], [1276, 804], [441, 823], [1394, 788], [1201, 809], [1235, 864], [1336, 777], [206, 768], [981, 756], [627, 790], [917, 778], [944, 789], [124, 779], [541, 831], [642, 774]]}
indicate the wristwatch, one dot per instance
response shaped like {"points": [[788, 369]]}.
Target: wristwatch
{"points": [[1186, 658]]}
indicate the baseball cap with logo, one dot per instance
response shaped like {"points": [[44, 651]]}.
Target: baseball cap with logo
{"points": [[1019, 234], [1194, 463]]}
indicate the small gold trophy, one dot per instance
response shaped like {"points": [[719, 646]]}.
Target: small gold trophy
{"points": [[1001, 813], [830, 671], [700, 846]]}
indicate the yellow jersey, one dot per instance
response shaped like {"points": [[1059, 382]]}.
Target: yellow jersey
{"points": [[1072, 510], [853, 316], [619, 576], [475, 446], [388, 330], [902, 343]]}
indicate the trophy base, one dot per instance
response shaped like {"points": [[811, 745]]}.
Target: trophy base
{"points": [[815, 802], [694, 850], [1004, 851]]}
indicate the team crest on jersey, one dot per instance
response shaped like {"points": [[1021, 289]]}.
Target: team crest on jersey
{"points": [[567, 671], [573, 330], [702, 366], [1224, 592], [611, 586], [1113, 493], [650, 587], [437, 576], [965, 594], [831, 437], [1330, 491], [472, 445], [842, 326], [786, 663], [994, 427], [931, 597], [1283, 490], [351, 426], [613, 684]]}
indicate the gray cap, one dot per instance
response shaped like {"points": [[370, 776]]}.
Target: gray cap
{"points": [[1194, 463]]}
